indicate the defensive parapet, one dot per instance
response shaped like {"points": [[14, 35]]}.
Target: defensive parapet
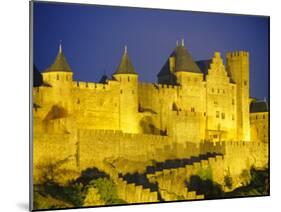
{"points": [[90, 85], [235, 54]]}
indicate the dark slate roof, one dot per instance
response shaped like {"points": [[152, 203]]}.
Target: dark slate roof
{"points": [[165, 70], [125, 66], [37, 77], [103, 79], [258, 107], [184, 62], [204, 65], [60, 64]]}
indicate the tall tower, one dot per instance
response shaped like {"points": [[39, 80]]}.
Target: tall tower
{"points": [[238, 69], [126, 75], [59, 77]]}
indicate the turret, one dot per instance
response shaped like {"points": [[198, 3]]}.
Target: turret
{"points": [[59, 78], [126, 75], [237, 64]]}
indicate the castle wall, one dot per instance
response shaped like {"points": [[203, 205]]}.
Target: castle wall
{"points": [[156, 101], [259, 126], [104, 144], [99, 148], [187, 126], [191, 95], [174, 109], [52, 153], [96, 105]]}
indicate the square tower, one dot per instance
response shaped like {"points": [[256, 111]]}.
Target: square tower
{"points": [[237, 64]]}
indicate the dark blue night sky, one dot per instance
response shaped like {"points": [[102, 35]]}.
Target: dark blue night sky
{"points": [[93, 38]]}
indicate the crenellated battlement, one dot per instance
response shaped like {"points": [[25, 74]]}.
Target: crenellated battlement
{"points": [[118, 134], [237, 54], [90, 85], [158, 86]]}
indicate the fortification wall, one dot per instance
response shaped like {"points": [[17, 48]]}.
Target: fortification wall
{"points": [[52, 153], [98, 145], [96, 105], [259, 126], [98, 148], [158, 98], [236, 162], [187, 126]]}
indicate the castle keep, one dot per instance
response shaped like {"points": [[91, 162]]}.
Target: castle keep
{"points": [[196, 108]]}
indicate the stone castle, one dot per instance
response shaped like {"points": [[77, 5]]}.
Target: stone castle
{"points": [[196, 108]]}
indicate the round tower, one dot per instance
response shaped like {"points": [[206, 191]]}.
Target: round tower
{"points": [[59, 78], [128, 94]]}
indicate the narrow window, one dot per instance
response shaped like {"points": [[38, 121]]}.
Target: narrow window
{"points": [[78, 101], [121, 91], [232, 101], [58, 77], [218, 90], [213, 90], [215, 102], [128, 79], [217, 114], [192, 109], [66, 78], [245, 82], [222, 115]]}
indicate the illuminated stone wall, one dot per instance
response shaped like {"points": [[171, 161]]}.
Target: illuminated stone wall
{"points": [[130, 124], [259, 126]]}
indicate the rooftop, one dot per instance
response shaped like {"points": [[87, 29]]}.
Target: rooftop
{"points": [[183, 61], [258, 106], [125, 66], [60, 64]]}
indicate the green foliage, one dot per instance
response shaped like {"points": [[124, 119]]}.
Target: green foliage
{"points": [[205, 173], [106, 189], [52, 171], [206, 187], [228, 181], [45, 201], [259, 185], [73, 193]]}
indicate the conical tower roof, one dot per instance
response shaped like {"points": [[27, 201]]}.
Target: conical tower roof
{"points": [[60, 64], [183, 61], [125, 66]]}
